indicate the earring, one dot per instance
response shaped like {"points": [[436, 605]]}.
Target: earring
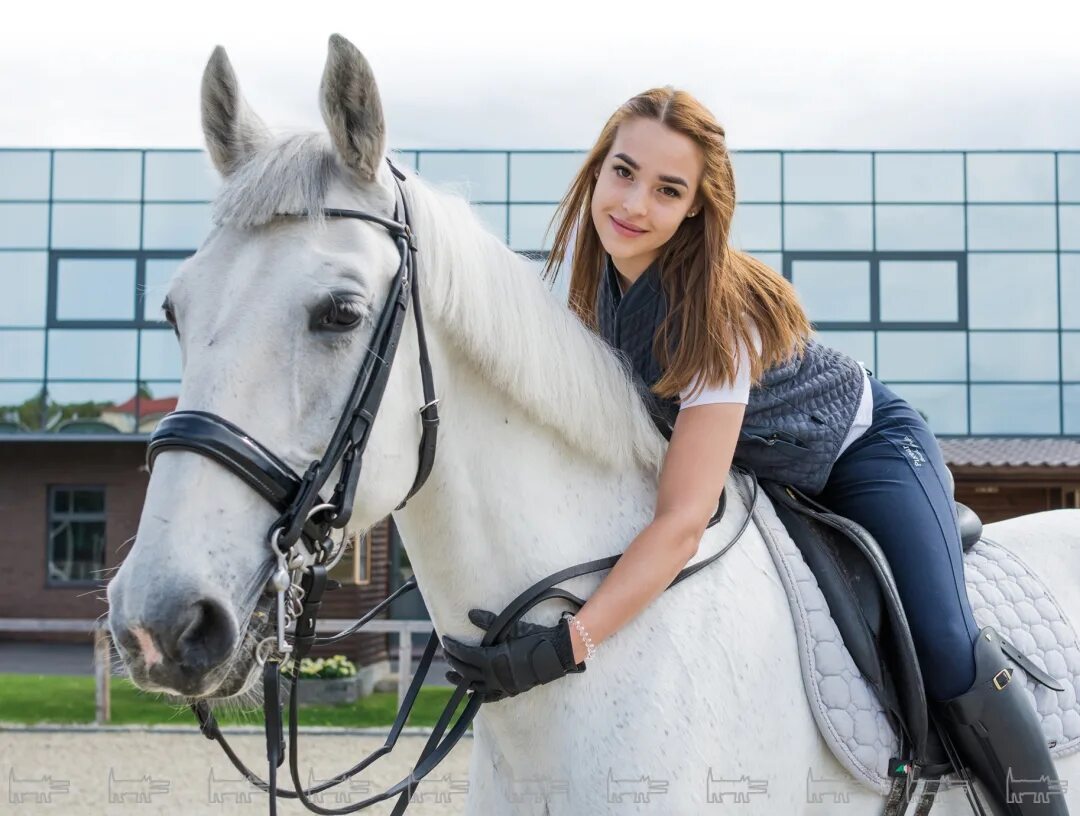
{"points": [[691, 214]]}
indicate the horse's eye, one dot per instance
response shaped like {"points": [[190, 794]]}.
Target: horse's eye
{"points": [[170, 316], [340, 315]]}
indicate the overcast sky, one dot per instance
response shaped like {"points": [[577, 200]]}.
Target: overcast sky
{"points": [[545, 74]]}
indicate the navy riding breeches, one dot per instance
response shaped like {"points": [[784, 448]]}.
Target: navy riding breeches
{"points": [[892, 480]]}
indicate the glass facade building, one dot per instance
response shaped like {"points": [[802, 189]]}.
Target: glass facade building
{"points": [[953, 276]]}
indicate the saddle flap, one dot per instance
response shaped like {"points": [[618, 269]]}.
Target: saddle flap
{"points": [[858, 586]]}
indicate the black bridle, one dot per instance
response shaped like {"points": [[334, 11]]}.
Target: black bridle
{"points": [[304, 551]]}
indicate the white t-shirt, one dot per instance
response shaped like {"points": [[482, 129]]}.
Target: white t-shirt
{"points": [[739, 392]]}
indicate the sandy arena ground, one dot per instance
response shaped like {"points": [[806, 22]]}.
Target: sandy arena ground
{"points": [[152, 772]]}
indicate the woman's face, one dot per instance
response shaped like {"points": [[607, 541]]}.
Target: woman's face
{"points": [[646, 186]]}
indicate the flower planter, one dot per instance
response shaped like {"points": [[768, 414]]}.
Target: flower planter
{"points": [[328, 690]]}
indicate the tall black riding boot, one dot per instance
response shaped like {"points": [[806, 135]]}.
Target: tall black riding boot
{"points": [[998, 736]]}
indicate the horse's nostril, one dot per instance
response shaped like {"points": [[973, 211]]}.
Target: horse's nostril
{"points": [[202, 636]]}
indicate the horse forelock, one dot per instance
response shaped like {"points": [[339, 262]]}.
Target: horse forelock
{"points": [[492, 304], [292, 174]]}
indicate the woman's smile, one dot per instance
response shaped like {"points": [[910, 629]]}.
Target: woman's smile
{"points": [[624, 229]]}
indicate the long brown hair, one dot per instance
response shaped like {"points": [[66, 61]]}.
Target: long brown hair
{"points": [[711, 288]]}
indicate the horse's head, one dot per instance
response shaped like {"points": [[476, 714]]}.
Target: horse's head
{"points": [[274, 318]]}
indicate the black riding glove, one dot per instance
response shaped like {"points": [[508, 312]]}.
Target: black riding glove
{"points": [[531, 655]]}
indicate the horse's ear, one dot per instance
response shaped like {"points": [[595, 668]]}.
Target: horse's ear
{"points": [[352, 109], [231, 128]]}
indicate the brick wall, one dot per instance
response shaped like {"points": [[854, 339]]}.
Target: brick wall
{"points": [[27, 469]]}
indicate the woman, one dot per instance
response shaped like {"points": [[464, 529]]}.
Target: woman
{"points": [[649, 216]]}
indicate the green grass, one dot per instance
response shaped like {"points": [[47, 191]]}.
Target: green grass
{"points": [[30, 699]]}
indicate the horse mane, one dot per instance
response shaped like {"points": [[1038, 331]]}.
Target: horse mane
{"points": [[489, 300], [493, 305]]}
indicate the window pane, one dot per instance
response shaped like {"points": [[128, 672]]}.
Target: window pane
{"points": [[1070, 291], [1069, 177], [175, 226], [22, 354], [542, 176], [24, 226], [859, 345], [1012, 291], [1010, 177], [945, 406], [993, 227], [756, 226], [1072, 409], [76, 550], [773, 260], [157, 399], [93, 174], [910, 355], [187, 176], [1014, 356], [23, 281], [476, 176], [919, 177], [159, 272], [528, 223], [833, 290], [827, 177], [95, 289], [1070, 227], [1022, 409], [1070, 356], [88, 501], [915, 291], [92, 354], [20, 407], [757, 176], [95, 226], [90, 407], [827, 227], [159, 355], [926, 228], [494, 218], [24, 174], [61, 502]]}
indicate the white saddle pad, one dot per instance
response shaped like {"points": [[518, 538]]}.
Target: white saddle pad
{"points": [[1004, 594]]}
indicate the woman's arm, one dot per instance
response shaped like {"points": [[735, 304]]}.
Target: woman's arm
{"points": [[695, 469]]}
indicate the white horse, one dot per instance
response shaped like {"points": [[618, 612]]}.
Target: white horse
{"points": [[546, 459]]}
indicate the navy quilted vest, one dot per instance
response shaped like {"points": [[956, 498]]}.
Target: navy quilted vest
{"points": [[797, 416]]}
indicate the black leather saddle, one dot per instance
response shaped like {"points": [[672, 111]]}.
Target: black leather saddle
{"points": [[854, 576]]}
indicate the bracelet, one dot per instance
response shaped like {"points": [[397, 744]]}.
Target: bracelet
{"points": [[590, 649]]}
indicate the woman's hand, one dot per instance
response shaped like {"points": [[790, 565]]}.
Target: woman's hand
{"points": [[530, 656]]}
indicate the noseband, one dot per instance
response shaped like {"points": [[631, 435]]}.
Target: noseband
{"points": [[304, 552]]}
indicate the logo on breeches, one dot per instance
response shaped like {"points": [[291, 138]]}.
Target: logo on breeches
{"points": [[910, 447]]}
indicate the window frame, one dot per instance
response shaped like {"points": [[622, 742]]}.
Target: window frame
{"points": [[875, 323], [51, 515], [139, 256]]}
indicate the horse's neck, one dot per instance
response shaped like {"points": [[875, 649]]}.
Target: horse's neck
{"points": [[507, 503]]}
